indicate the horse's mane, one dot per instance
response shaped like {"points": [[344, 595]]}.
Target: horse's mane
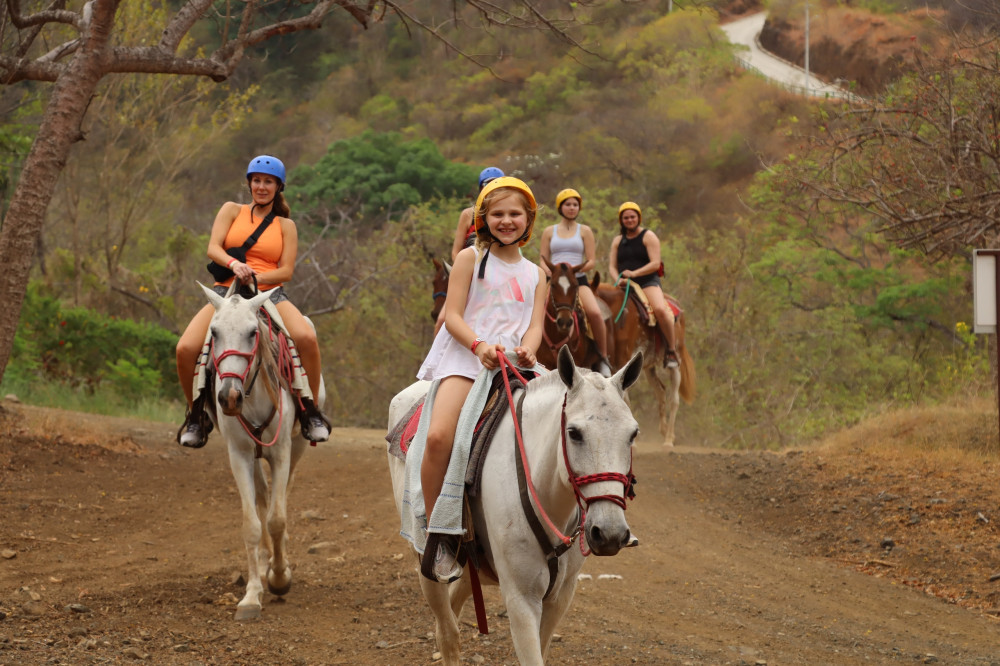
{"points": [[268, 352]]}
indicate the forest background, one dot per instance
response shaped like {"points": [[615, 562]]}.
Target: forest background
{"points": [[804, 316]]}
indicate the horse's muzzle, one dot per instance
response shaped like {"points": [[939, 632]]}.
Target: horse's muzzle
{"points": [[230, 397], [606, 530]]}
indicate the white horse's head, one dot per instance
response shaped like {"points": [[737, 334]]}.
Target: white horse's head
{"points": [[235, 339], [599, 431]]}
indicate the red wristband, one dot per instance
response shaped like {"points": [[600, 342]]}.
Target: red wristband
{"points": [[475, 343], [230, 264]]}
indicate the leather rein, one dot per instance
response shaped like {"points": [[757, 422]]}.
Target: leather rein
{"points": [[526, 486], [554, 346], [252, 358]]}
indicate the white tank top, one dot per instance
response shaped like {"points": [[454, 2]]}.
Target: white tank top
{"points": [[498, 310], [567, 250]]}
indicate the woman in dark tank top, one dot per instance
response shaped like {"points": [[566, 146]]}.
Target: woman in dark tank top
{"points": [[635, 255]]}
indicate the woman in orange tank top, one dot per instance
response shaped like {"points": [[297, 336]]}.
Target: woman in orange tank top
{"points": [[272, 260]]}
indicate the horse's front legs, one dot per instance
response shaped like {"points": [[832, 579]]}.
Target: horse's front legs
{"points": [[525, 613], [243, 464], [279, 573], [445, 621], [667, 398]]}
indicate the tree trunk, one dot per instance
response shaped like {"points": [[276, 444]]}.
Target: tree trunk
{"points": [[58, 131]]}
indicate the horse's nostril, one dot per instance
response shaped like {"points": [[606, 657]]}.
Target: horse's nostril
{"points": [[595, 534]]}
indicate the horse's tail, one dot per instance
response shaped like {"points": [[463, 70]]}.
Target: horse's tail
{"points": [[688, 376]]}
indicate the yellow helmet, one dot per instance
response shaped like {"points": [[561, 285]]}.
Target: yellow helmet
{"points": [[629, 205], [514, 184], [567, 194]]}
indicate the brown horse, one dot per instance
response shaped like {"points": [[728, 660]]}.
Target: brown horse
{"points": [[442, 269], [630, 334], [564, 320]]}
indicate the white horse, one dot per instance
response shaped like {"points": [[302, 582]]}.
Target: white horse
{"points": [[255, 413], [578, 435]]}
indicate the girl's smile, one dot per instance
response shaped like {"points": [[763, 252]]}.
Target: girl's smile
{"points": [[507, 218]]}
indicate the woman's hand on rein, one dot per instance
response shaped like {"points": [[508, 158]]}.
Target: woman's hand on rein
{"points": [[243, 272]]}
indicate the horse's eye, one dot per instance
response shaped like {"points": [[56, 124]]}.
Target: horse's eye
{"points": [[635, 433], [575, 434]]}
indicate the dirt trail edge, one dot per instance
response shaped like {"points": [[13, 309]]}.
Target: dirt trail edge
{"points": [[119, 546]]}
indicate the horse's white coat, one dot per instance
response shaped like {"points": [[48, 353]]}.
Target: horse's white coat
{"points": [[595, 410], [232, 327]]}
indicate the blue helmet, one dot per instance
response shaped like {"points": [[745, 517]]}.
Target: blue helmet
{"points": [[272, 166], [488, 174]]}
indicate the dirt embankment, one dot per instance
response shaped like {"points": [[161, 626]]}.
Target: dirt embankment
{"points": [[870, 49]]}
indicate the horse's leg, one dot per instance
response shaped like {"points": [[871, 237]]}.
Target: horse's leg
{"points": [[243, 464], [553, 611], [660, 395], [445, 621], [459, 592], [673, 401], [525, 613], [279, 572]]}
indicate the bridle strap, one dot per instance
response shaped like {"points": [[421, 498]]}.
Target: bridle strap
{"points": [[551, 552]]}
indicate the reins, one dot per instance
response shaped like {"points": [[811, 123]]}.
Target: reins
{"points": [[628, 283], [554, 346], [285, 372], [583, 501]]}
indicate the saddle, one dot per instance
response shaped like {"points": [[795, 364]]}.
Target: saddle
{"points": [[646, 310]]}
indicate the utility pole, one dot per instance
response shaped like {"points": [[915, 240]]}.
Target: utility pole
{"points": [[807, 45]]}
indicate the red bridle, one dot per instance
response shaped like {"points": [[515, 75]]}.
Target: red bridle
{"points": [[249, 356], [284, 369], [575, 328], [583, 501]]}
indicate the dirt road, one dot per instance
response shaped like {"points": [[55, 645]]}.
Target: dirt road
{"points": [[119, 546]]}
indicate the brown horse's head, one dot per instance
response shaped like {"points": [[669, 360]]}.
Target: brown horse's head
{"points": [[563, 289], [440, 284]]}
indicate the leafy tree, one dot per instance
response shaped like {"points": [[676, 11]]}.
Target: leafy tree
{"points": [[76, 49], [380, 175], [924, 160]]}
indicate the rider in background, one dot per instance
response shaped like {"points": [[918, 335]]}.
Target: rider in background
{"points": [[465, 232], [494, 304], [272, 260], [635, 255], [570, 242]]}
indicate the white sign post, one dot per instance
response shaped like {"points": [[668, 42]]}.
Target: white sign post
{"points": [[986, 298]]}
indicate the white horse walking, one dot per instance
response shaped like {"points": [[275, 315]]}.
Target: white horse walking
{"points": [[255, 413], [577, 437]]}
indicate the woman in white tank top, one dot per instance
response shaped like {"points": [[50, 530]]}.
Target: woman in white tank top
{"points": [[570, 242]]}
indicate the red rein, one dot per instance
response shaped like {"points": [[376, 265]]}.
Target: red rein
{"points": [[576, 481]]}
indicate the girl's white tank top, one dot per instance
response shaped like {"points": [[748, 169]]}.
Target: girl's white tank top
{"points": [[498, 310]]}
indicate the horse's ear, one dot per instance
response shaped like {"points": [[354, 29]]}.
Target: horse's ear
{"points": [[630, 373], [551, 267], [258, 300], [566, 366], [578, 268], [597, 281], [437, 264], [213, 297], [447, 268]]}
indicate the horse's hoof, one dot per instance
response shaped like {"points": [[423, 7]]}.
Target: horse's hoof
{"points": [[245, 613], [279, 590]]}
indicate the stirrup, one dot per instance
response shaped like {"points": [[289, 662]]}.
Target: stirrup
{"points": [[670, 359]]}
